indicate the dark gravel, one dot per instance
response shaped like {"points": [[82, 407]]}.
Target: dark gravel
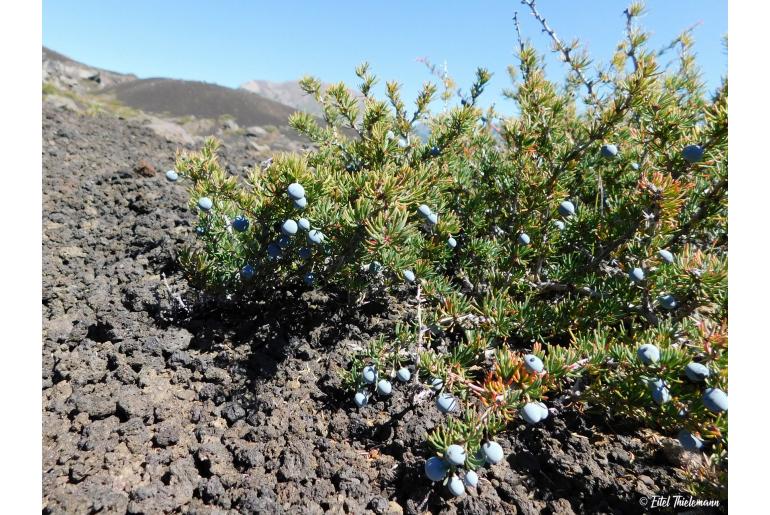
{"points": [[148, 408]]}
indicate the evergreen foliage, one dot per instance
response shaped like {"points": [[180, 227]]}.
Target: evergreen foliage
{"points": [[598, 173]]}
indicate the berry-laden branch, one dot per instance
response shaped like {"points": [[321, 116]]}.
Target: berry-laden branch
{"points": [[531, 280]]}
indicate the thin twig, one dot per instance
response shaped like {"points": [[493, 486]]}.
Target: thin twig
{"points": [[565, 51], [713, 196], [678, 39], [469, 384], [483, 417], [631, 47], [647, 310], [419, 321], [174, 296], [576, 365], [518, 31]]}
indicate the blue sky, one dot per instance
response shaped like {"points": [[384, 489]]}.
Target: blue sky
{"points": [[229, 42]]}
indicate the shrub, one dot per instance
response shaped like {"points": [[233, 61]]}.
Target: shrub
{"points": [[589, 225]]}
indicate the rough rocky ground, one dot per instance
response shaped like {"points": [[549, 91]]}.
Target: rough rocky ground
{"points": [[150, 408]]}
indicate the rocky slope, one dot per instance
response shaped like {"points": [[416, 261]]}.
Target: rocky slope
{"points": [[157, 399], [150, 407]]}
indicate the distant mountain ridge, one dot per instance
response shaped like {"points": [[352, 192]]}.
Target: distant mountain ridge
{"points": [[200, 99], [180, 110]]}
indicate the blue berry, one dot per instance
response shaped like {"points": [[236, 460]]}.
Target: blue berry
{"points": [[471, 479], [666, 256], [361, 399], [692, 153], [532, 412], [456, 486], [452, 242], [432, 218], [668, 302], [403, 142], [289, 227], [523, 239], [305, 253], [436, 384], [274, 251], [205, 203], [661, 395], [200, 231], [384, 387], [315, 237], [533, 363], [284, 242], [240, 224], [424, 210], [436, 469], [636, 275], [309, 278], [635, 166], [446, 402], [566, 208], [247, 272], [609, 151], [304, 224], [296, 191], [559, 225], [369, 374], [455, 454], [435, 151], [351, 167], [648, 353], [492, 452], [715, 400], [403, 374], [172, 176], [545, 410], [300, 203], [375, 267], [655, 383], [409, 276], [696, 372], [689, 441]]}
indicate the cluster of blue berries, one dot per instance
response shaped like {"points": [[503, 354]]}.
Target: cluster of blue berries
{"points": [[297, 195], [428, 214], [713, 399], [565, 209], [432, 219], [536, 411], [637, 275], [452, 470], [370, 380], [241, 224], [289, 229]]}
